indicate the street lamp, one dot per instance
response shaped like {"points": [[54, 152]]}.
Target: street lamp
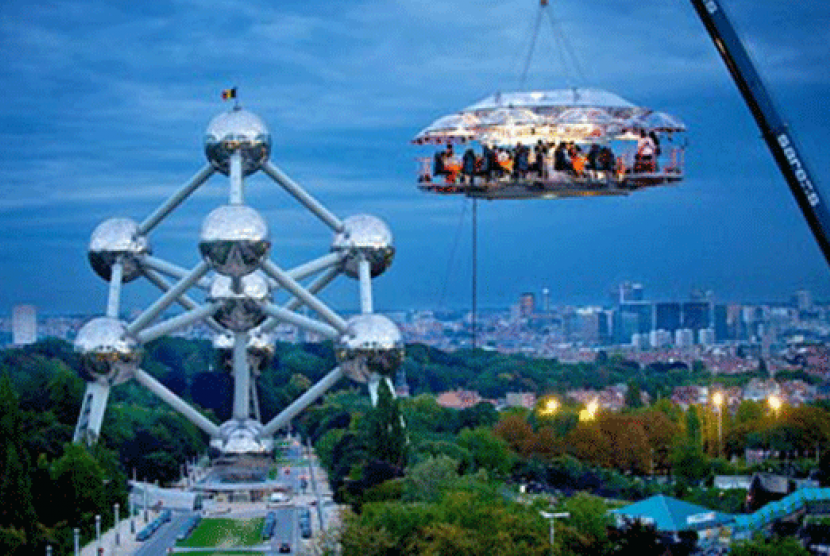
{"points": [[590, 411], [717, 399], [551, 517], [551, 407], [76, 541], [98, 531], [775, 404], [116, 507]]}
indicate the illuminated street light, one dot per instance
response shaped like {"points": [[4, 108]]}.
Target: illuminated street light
{"points": [[775, 404], [550, 407], [590, 411], [717, 399]]}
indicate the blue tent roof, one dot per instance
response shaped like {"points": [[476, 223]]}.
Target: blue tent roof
{"points": [[671, 515]]}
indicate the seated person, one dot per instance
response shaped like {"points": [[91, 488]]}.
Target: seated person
{"points": [[606, 160], [561, 160], [468, 167]]}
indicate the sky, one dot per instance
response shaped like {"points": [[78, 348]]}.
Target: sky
{"points": [[106, 103]]}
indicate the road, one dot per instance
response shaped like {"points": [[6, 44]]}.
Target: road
{"points": [[165, 537], [286, 529]]}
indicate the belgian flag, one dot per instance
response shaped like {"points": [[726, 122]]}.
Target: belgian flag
{"points": [[228, 94]]}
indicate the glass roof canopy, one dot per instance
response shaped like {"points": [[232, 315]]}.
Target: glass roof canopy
{"points": [[581, 115]]}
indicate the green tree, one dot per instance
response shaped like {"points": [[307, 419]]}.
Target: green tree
{"points": [[429, 479], [693, 427], [487, 450], [386, 436], [16, 492], [774, 547], [633, 394], [79, 484], [586, 530]]}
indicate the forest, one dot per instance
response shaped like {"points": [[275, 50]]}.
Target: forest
{"points": [[441, 459]]}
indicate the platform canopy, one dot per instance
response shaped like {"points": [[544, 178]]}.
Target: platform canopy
{"points": [[575, 114]]}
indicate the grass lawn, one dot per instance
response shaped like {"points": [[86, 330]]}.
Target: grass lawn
{"points": [[225, 533], [214, 553]]}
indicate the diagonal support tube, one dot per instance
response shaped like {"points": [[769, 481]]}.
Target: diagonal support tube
{"points": [[308, 397], [364, 274], [170, 204], [320, 283], [313, 267], [170, 270], [168, 298], [116, 279], [183, 299], [279, 314], [179, 321], [304, 198], [305, 296], [171, 399], [310, 268], [315, 287]]}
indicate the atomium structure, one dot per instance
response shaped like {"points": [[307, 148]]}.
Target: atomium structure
{"points": [[232, 291]]}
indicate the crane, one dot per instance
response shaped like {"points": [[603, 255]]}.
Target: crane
{"points": [[776, 133]]}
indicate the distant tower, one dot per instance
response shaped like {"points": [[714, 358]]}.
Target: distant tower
{"points": [[546, 300], [24, 325], [629, 292], [527, 304], [803, 300]]}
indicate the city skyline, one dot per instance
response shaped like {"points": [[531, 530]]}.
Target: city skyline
{"points": [[109, 105]]}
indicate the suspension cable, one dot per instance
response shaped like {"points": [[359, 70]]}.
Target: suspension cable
{"points": [[532, 47]]}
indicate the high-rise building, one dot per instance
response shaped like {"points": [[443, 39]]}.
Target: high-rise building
{"points": [[706, 336], [629, 291], [24, 325], [723, 331], [684, 338], [667, 316], [546, 300], [527, 304], [697, 315], [803, 300]]}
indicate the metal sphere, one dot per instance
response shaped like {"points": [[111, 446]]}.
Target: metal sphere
{"points": [[365, 236], [234, 240], [372, 344], [117, 239], [241, 308], [261, 350], [242, 437], [237, 131], [107, 351]]}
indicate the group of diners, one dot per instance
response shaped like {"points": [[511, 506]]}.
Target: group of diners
{"points": [[541, 161]]}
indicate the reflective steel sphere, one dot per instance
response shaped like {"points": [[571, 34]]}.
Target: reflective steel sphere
{"points": [[242, 437], [366, 236], [237, 130], [107, 351], [261, 350], [234, 240], [241, 310], [113, 239], [372, 344]]}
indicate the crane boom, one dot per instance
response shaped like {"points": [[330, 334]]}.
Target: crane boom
{"points": [[778, 136]]}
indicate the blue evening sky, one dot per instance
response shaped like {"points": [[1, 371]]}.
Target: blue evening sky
{"points": [[105, 104]]}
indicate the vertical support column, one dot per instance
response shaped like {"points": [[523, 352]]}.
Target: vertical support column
{"points": [[114, 299], [365, 276], [241, 377], [237, 193]]}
